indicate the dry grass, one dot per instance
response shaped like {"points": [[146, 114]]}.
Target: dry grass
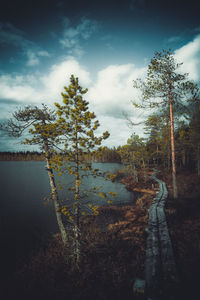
{"points": [[113, 247]]}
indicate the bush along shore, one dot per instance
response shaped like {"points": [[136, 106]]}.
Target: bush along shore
{"points": [[114, 245]]}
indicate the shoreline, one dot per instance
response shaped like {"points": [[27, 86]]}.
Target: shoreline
{"points": [[115, 247]]}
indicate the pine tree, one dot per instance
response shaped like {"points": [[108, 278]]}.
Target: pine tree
{"points": [[158, 146], [165, 88], [134, 155], [42, 126], [78, 125]]}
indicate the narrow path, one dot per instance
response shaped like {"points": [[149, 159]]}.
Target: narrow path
{"points": [[160, 269]]}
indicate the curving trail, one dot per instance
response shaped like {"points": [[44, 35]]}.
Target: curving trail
{"points": [[160, 269]]}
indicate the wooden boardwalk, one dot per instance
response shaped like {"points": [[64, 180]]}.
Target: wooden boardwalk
{"points": [[161, 276]]}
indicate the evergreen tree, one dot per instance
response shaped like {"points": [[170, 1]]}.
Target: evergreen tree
{"points": [[42, 126], [152, 128], [165, 88], [158, 146], [134, 154], [77, 125]]}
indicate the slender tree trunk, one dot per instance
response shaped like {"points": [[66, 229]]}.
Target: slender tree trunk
{"points": [[77, 253], [54, 193], [168, 146], [174, 183], [198, 159]]}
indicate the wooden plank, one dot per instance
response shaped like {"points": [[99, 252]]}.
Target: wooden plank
{"points": [[169, 272], [160, 268], [153, 262]]}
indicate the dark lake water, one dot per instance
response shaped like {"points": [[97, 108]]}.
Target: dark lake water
{"points": [[24, 220]]}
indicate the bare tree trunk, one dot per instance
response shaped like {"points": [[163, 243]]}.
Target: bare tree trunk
{"points": [[54, 193], [174, 183], [198, 159], [168, 150], [77, 250]]}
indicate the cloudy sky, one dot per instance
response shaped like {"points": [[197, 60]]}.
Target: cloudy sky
{"points": [[106, 44]]}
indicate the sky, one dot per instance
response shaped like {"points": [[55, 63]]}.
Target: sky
{"points": [[106, 44]]}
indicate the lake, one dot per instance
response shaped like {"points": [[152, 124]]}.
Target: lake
{"points": [[24, 219]]}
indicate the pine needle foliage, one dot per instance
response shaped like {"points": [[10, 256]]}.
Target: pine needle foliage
{"points": [[78, 126], [166, 88]]}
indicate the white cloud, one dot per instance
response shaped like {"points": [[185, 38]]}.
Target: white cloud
{"points": [[32, 59], [118, 129], [174, 39], [86, 28], [59, 76], [34, 89], [73, 36], [43, 53], [190, 56], [17, 88], [111, 95]]}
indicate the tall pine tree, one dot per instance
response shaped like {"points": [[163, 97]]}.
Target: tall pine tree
{"points": [[78, 126], [166, 88]]}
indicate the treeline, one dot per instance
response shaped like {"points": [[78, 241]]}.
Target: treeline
{"points": [[140, 153], [104, 155], [22, 155]]}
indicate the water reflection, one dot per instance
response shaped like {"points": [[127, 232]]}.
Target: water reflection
{"points": [[25, 221]]}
